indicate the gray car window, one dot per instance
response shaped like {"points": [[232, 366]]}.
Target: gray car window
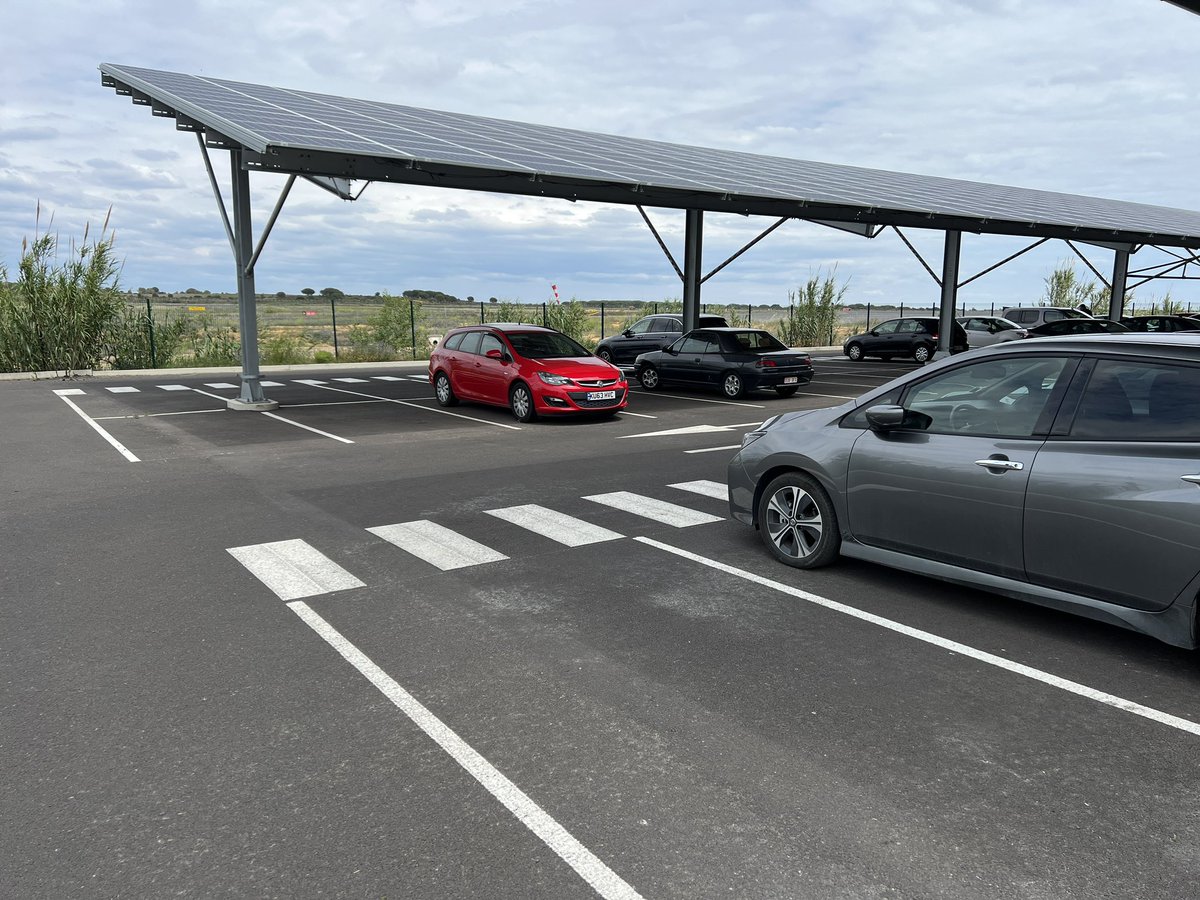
{"points": [[696, 344], [453, 341], [1139, 401], [490, 342], [888, 327], [641, 326], [1002, 397], [470, 343], [666, 324]]}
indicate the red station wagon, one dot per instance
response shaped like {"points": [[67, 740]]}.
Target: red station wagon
{"points": [[531, 370]]}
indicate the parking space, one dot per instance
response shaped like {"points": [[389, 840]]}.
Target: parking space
{"points": [[455, 659]]}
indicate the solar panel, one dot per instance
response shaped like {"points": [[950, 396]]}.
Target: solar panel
{"points": [[308, 133]]}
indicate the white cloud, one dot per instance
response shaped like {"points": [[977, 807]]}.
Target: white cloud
{"points": [[1092, 98]]}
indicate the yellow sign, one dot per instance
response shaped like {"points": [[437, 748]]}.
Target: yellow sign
{"points": [[196, 309]]}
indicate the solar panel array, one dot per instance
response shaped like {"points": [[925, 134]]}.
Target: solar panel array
{"points": [[261, 118]]}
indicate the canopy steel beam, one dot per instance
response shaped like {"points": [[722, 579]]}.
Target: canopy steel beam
{"points": [[693, 246], [950, 257]]}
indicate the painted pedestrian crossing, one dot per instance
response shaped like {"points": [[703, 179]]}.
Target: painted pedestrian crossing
{"points": [[293, 568], [437, 544]]}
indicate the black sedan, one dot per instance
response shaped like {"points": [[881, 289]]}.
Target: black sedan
{"points": [[1062, 327], [1160, 324], [735, 360]]}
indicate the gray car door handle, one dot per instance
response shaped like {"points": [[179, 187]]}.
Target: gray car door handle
{"points": [[1000, 464], [1194, 479]]}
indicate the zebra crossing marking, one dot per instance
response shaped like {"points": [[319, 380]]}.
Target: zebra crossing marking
{"points": [[221, 384], [713, 489], [437, 544], [352, 380], [123, 390], [557, 526], [294, 569], [173, 387], [650, 508]]}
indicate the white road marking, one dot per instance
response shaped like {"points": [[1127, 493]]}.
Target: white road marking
{"points": [[437, 545], [991, 659], [313, 382], [603, 880], [658, 510], [671, 432], [626, 412], [352, 380], [422, 378], [444, 412], [386, 378], [715, 449], [557, 526], [712, 489], [70, 392], [294, 569], [120, 448], [221, 384], [270, 384], [282, 419], [123, 390], [308, 428], [173, 387], [180, 412]]}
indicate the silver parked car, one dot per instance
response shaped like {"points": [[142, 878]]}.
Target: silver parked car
{"points": [[1061, 471], [983, 331]]}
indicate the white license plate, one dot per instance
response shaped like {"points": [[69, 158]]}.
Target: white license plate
{"points": [[602, 395], [791, 379]]}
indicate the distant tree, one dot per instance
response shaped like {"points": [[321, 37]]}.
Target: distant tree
{"points": [[332, 293], [429, 296], [192, 291], [307, 292], [280, 295], [470, 299], [492, 300]]}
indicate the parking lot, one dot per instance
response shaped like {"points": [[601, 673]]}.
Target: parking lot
{"points": [[364, 646]]}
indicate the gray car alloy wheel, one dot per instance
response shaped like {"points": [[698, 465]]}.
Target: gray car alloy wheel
{"points": [[649, 378], [522, 403], [798, 523], [443, 390], [922, 353], [732, 385]]}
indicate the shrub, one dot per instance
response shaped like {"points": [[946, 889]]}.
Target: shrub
{"points": [[813, 312], [134, 340], [55, 315]]}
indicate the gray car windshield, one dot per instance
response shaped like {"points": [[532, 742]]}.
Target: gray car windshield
{"points": [[545, 345]]}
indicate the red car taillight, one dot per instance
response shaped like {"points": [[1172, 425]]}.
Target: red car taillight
{"points": [[764, 363]]}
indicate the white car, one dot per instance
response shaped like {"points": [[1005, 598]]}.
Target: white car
{"points": [[983, 331]]}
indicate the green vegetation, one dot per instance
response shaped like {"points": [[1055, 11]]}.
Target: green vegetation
{"points": [[813, 315]]}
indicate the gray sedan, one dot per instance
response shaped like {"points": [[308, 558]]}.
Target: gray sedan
{"points": [[983, 331], [1062, 471]]}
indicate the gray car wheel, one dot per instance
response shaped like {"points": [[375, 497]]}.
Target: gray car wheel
{"points": [[797, 522], [521, 401], [649, 378], [922, 353], [854, 351], [604, 354], [732, 385], [443, 390]]}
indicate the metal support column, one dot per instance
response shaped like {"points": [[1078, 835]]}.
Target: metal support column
{"points": [[949, 293], [243, 254], [693, 245], [1116, 299]]}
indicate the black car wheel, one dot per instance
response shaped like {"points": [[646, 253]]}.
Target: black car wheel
{"points": [[786, 390], [649, 378], [521, 401], [797, 522], [923, 352], [732, 385], [604, 354], [854, 351], [443, 390]]}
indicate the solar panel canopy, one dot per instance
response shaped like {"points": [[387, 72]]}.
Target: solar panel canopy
{"points": [[300, 132]]}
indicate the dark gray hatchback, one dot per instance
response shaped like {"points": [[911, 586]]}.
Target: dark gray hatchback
{"points": [[1063, 472]]}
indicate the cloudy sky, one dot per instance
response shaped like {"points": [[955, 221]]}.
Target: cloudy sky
{"points": [[1093, 97]]}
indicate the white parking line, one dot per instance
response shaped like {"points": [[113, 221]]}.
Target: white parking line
{"points": [[282, 419], [221, 384], [386, 378], [603, 880], [120, 448], [444, 412], [294, 569], [658, 510], [436, 544], [173, 387], [715, 449], [557, 526], [123, 390], [991, 659], [712, 489], [352, 380]]}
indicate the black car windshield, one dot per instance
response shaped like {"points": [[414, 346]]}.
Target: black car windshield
{"points": [[750, 342], [545, 345]]}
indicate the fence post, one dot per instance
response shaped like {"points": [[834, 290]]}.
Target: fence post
{"points": [[480, 312], [749, 314], [545, 321], [868, 328], [150, 328], [412, 320], [333, 315], [601, 320]]}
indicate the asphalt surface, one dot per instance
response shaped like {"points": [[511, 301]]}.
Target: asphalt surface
{"points": [[608, 719]]}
